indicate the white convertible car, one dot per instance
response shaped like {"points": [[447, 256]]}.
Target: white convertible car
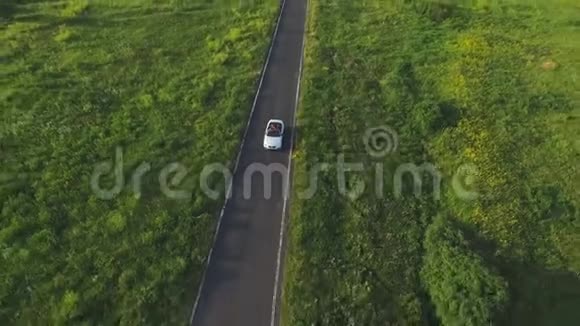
{"points": [[274, 134]]}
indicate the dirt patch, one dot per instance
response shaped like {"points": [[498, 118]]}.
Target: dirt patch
{"points": [[550, 64]]}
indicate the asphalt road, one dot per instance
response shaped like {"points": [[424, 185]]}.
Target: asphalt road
{"points": [[240, 279]]}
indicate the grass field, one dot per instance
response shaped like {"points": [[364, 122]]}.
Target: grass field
{"points": [[163, 81], [479, 84]]}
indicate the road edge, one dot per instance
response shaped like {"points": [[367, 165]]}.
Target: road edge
{"points": [[278, 278]]}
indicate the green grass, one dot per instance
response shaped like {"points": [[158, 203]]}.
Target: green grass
{"points": [[460, 84], [163, 81]]}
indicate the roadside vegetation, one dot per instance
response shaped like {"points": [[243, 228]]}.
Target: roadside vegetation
{"points": [[165, 81], [486, 86]]}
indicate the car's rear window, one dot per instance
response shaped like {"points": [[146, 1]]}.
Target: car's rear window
{"points": [[274, 129]]}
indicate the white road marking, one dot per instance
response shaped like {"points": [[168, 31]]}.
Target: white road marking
{"points": [[228, 192], [288, 181]]}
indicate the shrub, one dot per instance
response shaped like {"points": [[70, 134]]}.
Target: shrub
{"points": [[463, 289]]}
